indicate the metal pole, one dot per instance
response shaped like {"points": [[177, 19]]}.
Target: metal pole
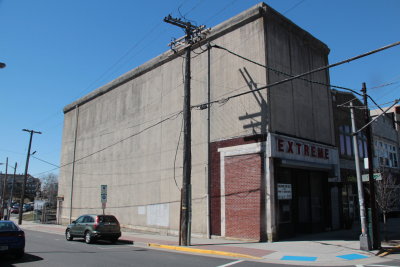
{"points": [[73, 163], [209, 228], [21, 202], [3, 191], [376, 242], [365, 243]]}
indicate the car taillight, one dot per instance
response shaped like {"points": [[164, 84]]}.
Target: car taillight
{"points": [[96, 224], [21, 234]]}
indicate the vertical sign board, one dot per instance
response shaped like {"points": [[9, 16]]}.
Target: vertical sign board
{"points": [[103, 196]]}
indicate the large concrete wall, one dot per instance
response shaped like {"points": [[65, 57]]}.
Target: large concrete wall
{"points": [[128, 130], [139, 168], [298, 107]]}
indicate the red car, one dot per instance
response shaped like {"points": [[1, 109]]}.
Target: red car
{"points": [[14, 210]]}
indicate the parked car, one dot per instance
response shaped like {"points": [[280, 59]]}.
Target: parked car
{"points": [[27, 207], [15, 209], [93, 227], [12, 239]]}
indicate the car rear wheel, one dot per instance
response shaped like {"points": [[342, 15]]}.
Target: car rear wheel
{"points": [[88, 237], [68, 235]]}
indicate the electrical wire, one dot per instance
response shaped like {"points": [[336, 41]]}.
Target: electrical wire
{"points": [[307, 73], [174, 116], [281, 72]]}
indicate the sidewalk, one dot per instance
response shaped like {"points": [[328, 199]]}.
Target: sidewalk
{"points": [[322, 250]]}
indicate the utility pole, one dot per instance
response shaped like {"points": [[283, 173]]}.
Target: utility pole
{"points": [[365, 243], [12, 186], [3, 191], [376, 242], [185, 227], [21, 202]]}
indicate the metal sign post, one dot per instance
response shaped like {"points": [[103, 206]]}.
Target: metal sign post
{"points": [[103, 196]]}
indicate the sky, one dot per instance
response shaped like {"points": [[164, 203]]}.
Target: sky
{"points": [[59, 51]]}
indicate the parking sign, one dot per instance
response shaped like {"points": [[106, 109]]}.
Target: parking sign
{"points": [[103, 193]]}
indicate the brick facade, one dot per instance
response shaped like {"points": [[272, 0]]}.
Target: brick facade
{"points": [[243, 196], [215, 179]]}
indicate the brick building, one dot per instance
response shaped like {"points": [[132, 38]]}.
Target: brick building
{"points": [[264, 164], [32, 186]]}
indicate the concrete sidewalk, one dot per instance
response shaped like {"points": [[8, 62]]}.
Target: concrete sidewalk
{"points": [[324, 249]]}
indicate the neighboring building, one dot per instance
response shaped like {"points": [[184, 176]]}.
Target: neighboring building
{"points": [[264, 165], [31, 188], [386, 134]]}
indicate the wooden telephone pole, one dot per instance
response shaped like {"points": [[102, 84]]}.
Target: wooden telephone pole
{"points": [[191, 31]]}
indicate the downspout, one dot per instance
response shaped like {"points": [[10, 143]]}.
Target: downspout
{"points": [[209, 230]]}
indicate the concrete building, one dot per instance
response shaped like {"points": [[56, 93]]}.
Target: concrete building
{"points": [[386, 134], [264, 164]]}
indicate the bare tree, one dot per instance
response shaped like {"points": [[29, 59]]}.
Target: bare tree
{"points": [[50, 188], [387, 195]]}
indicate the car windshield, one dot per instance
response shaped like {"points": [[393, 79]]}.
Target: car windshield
{"points": [[104, 219], [7, 226]]}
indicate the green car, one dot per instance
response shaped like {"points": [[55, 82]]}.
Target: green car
{"points": [[93, 227]]}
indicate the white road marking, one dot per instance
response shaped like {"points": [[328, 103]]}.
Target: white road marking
{"points": [[231, 263], [375, 265]]}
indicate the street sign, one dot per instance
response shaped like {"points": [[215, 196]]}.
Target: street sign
{"points": [[103, 193], [377, 177]]}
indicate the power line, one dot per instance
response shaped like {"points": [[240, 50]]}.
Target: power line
{"points": [[116, 143], [281, 72], [304, 74]]}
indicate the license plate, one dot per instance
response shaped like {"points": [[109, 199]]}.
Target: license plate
{"points": [[3, 248]]}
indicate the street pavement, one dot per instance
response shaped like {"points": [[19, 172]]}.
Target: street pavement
{"points": [[336, 248]]}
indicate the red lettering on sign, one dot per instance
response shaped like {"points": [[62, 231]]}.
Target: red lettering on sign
{"points": [[280, 145], [298, 148], [290, 147], [306, 150], [313, 151], [320, 152]]}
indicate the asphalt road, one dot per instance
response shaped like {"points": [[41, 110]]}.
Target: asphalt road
{"points": [[47, 249]]}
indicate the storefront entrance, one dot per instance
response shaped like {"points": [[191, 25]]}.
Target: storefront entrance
{"points": [[303, 201]]}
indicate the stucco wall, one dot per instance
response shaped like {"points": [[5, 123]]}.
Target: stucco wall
{"points": [[128, 130], [121, 144], [298, 107]]}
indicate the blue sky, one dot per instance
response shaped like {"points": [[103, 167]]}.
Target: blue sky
{"points": [[58, 51]]}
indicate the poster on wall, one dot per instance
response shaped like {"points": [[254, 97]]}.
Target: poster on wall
{"points": [[284, 191]]}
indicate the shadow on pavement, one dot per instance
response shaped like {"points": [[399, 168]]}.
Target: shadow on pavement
{"points": [[105, 242], [9, 260]]}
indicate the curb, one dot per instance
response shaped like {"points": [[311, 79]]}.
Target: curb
{"points": [[204, 251]]}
